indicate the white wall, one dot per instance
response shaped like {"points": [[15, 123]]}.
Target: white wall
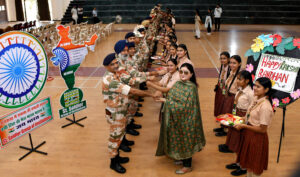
{"points": [[11, 10], [58, 8]]}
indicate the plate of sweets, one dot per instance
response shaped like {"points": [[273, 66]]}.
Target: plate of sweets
{"points": [[156, 57], [229, 119]]}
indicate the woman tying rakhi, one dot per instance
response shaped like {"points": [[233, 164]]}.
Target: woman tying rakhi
{"points": [[167, 81], [181, 133]]}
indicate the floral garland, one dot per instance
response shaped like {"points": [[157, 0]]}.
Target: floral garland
{"points": [[270, 43]]}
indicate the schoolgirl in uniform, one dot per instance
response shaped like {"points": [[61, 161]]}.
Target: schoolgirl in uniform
{"points": [[183, 55], [229, 90], [224, 73], [173, 51], [254, 146], [242, 101]]}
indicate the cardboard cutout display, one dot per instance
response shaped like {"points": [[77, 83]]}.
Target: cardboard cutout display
{"points": [[23, 69], [24, 120], [69, 57], [277, 58]]}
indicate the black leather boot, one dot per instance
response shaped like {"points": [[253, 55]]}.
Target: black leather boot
{"points": [[138, 114], [115, 165], [125, 148], [132, 125], [127, 142], [122, 159], [132, 132]]}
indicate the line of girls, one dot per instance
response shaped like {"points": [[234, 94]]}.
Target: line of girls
{"points": [[181, 132], [236, 93]]}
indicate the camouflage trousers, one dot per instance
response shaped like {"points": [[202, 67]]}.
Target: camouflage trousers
{"points": [[117, 121], [132, 108]]}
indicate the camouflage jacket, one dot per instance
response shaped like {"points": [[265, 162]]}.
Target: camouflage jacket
{"points": [[115, 93], [128, 75]]}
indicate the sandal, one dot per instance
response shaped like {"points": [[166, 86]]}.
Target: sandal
{"points": [[183, 170]]}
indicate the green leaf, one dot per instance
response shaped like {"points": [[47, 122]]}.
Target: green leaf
{"points": [[256, 56], [289, 46], [270, 48], [249, 53], [286, 40], [280, 49]]}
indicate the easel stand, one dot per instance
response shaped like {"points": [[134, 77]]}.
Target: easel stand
{"points": [[282, 132], [74, 121], [32, 149]]}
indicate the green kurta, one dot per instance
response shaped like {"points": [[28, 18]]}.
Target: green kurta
{"points": [[181, 132]]}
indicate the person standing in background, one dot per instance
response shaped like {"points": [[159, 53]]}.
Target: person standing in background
{"points": [[95, 16], [74, 15], [197, 24], [80, 14], [217, 14], [208, 22]]}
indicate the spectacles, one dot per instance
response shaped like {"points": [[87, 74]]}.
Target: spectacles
{"points": [[184, 72]]}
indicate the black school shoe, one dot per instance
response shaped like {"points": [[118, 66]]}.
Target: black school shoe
{"points": [[224, 148], [219, 134], [238, 172], [232, 166], [116, 166], [221, 129]]}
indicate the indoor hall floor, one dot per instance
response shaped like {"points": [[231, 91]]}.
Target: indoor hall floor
{"points": [[82, 152]]}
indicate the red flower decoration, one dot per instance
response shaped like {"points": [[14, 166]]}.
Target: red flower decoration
{"points": [[253, 77], [296, 42], [286, 100], [276, 38]]}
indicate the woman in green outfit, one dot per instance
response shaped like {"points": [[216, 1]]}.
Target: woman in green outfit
{"points": [[181, 133]]}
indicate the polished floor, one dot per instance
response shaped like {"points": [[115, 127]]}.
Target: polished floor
{"points": [[82, 152]]}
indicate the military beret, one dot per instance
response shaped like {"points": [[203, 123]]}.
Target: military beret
{"points": [[108, 59], [129, 34], [119, 46]]}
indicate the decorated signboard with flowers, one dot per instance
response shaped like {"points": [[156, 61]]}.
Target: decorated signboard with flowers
{"points": [[277, 58]]}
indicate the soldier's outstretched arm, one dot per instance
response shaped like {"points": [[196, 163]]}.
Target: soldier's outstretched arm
{"points": [[139, 92]]}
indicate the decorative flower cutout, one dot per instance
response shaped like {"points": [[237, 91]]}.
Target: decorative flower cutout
{"points": [[275, 102], [286, 100], [276, 39], [253, 77], [296, 42], [273, 82], [266, 39], [258, 45], [249, 68], [296, 94]]}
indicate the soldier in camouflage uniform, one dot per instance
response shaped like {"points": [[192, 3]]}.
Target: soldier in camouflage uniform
{"points": [[115, 94], [129, 75]]}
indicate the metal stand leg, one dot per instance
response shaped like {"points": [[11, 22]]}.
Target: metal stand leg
{"points": [[282, 133], [74, 121], [32, 149]]}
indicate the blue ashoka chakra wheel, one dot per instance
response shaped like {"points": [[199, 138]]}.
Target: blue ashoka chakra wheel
{"points": [[19, 70], [61, 58], [23, 69]]}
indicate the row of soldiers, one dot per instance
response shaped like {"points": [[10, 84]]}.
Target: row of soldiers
{"points": [[123, 84]]}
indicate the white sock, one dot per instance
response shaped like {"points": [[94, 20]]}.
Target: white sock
{"points": [[249, 174], [254, 175]]}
